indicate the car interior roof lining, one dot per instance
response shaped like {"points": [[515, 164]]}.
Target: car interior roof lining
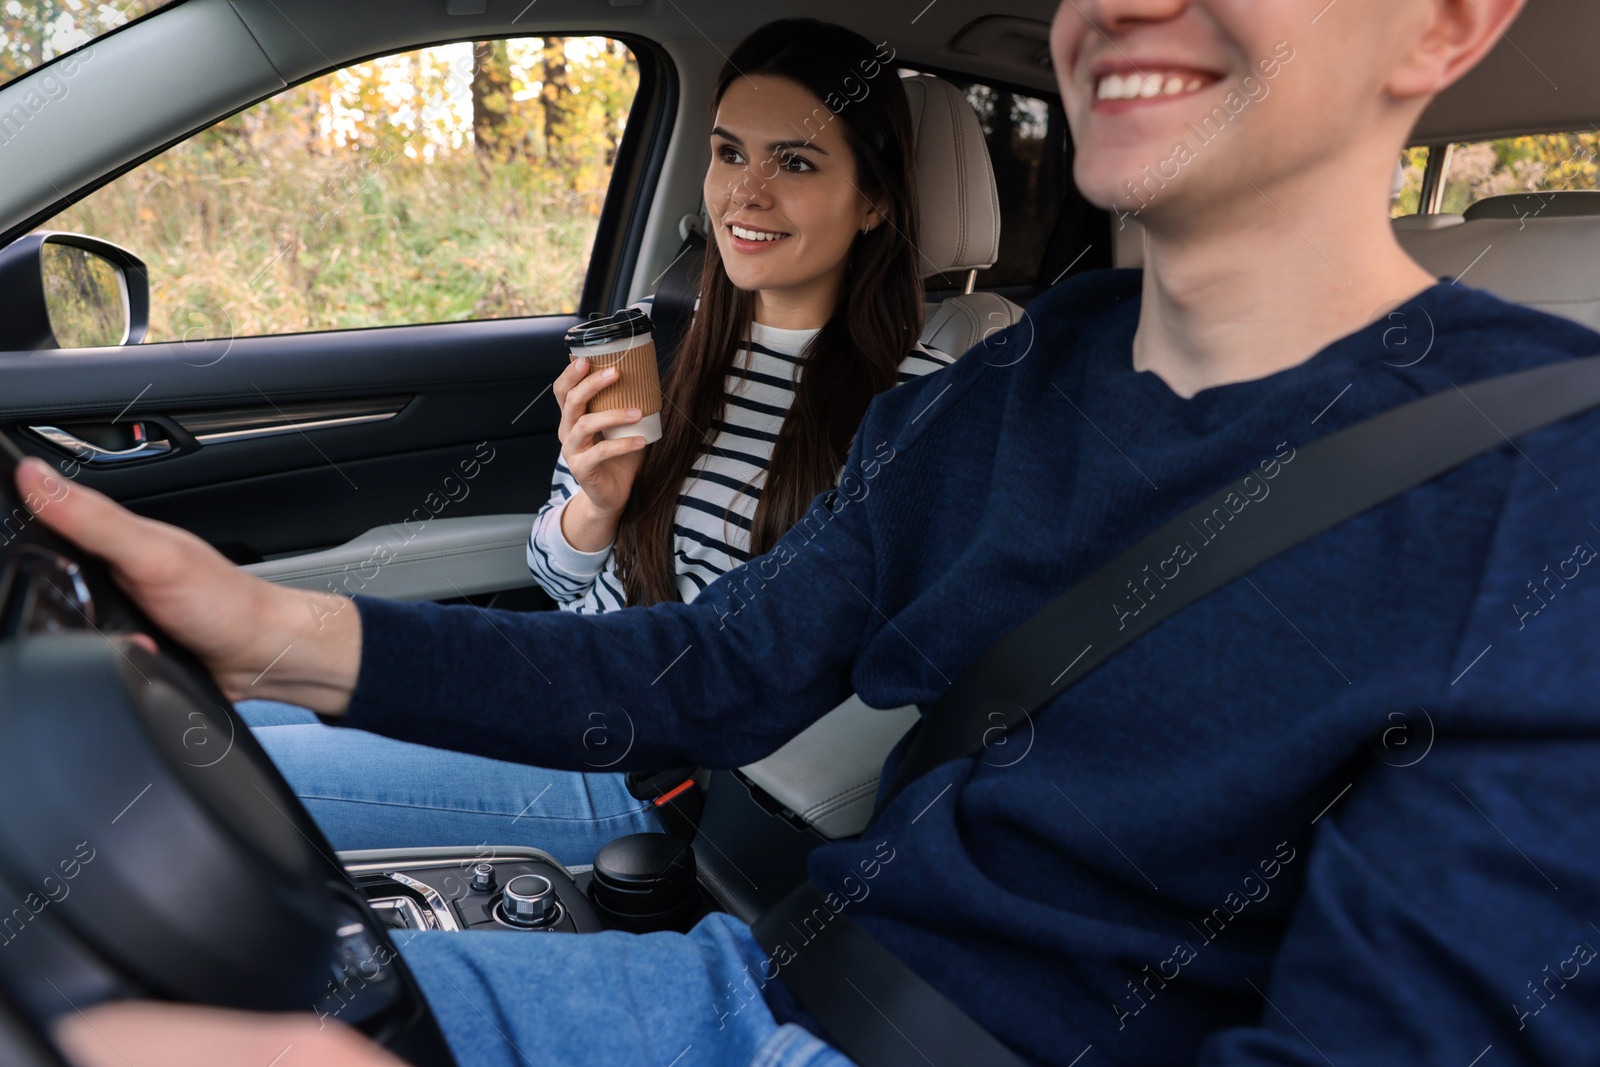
{"points": [[203, 59]]}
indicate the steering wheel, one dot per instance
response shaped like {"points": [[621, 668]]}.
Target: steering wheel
{"points": [[148, 847]]}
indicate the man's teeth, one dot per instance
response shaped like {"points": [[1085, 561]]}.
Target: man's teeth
{"points": [[1144, 86], [755, 235]]}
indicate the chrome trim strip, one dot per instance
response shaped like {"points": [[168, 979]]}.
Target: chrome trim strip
{"points": [[222, 436], [363, 861], [90, 453], [497, 912], [406, 906], [445, 918]]}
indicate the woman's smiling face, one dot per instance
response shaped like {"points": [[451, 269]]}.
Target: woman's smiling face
{"points": [[782, 193]]}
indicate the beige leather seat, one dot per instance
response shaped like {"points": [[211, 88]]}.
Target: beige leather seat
{"points": [[960, 212], [1538, 249], [828, 775]]}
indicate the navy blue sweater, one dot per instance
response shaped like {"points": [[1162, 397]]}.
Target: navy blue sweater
{"points": [[1346, 809]]}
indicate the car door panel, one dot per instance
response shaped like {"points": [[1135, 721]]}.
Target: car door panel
{"points": [[472, 429], [425, 559]]}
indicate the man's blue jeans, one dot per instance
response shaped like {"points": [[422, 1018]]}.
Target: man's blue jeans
{"points": [[367, 791], [610, 999]]}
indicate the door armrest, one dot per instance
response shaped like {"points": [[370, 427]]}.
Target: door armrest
{"points": [[430, 561]]}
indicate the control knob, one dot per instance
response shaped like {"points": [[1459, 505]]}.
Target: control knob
{"points": [[529, 900], [483, 877]]}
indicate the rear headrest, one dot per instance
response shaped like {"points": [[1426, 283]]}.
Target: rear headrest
{"points": [[1567, 203], [1403, 223], [1546, 262], [959, 202]]}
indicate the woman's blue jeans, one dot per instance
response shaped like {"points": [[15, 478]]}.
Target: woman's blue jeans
{"points": [[367, 791], [505, 999]]}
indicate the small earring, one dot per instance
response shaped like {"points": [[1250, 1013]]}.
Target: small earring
{"points": [[866, 229]]}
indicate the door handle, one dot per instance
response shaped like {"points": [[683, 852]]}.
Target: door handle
{"points": [[86, 451]]}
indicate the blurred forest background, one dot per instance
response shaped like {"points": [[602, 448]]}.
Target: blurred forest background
{"points": [[462, 181], [1515, 165]]}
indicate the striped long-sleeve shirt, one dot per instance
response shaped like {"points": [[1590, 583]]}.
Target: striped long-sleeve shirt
{"points": [[711, 531]]}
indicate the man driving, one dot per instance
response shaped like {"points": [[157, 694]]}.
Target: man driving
{"points": [[1212, 849]]}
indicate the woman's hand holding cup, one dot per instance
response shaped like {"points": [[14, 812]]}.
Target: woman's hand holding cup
{"points": [[610, 401], [604, 469]]}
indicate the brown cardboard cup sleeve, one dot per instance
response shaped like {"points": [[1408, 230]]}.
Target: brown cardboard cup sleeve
{"points": [[622, 340]]}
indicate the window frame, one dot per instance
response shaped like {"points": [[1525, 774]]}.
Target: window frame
{"points": [[1435, 171], [635, 177], [90, 43]]}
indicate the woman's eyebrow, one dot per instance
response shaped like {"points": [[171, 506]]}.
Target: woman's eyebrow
{"points": [[775, 146], [790, 146]]}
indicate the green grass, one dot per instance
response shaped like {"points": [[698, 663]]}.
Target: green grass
{"points": [[247, 243]]}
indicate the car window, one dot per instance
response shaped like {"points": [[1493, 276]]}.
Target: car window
{"points": [[33, 32], [1032, 155], [1408, 198], [446, 184], [1545, 163]]}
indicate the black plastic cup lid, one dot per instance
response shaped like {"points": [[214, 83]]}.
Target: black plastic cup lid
{"points": [[618, 326]]}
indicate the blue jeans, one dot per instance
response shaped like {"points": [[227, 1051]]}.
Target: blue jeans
{"points": [[611, 999], [367, 791]]}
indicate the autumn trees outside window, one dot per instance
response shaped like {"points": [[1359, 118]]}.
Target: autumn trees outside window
{"points": [[1544, 163], [450, 183]]}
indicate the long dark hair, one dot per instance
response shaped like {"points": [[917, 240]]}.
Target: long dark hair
{"points": [[877, 318]]}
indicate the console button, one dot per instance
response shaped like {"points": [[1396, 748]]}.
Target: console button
{"points": [[483, 877], [529, 900]]}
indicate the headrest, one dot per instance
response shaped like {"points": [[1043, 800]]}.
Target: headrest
{"points": [[959, 202], [1406, 223], [1543, 261], [1568, 203]]}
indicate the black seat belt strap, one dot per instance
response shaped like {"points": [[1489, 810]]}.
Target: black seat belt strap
{"points": [[877, 1010], [673, 308], [1333, 479], [874, 1007]]}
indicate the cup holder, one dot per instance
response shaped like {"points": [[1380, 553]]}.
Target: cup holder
{"points": [[645, 882]]}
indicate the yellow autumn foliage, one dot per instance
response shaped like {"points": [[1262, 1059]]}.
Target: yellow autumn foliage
{"points": [[367, 197]]}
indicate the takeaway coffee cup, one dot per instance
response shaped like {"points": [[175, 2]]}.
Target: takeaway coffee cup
{"points": [[622, 340]]}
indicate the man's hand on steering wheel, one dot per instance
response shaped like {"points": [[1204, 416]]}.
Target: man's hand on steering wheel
{"points": [[259, 641]]}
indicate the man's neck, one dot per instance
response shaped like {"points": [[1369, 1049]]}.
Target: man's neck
{"points": [[1244, 303]]}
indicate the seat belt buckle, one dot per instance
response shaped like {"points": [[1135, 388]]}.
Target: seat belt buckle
{"points": [[673, 793], [674, 796]]}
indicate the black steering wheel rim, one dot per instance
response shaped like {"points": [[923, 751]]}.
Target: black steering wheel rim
{"points": [[154, 848]]}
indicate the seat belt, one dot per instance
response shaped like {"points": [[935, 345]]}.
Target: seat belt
{"points": [[874, 1006], [671, 312], [676, 295]]}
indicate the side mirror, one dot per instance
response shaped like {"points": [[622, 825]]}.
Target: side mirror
{"points": [[67, 290]]}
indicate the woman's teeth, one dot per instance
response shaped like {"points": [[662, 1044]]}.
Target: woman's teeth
{"points": [[755, 235], [1144, 86]]}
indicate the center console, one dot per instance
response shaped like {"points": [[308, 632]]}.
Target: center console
{"points": [[516, 890], [641, 883]]}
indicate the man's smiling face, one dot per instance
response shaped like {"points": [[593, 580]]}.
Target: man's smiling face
{"points": [[1182, 104]]}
